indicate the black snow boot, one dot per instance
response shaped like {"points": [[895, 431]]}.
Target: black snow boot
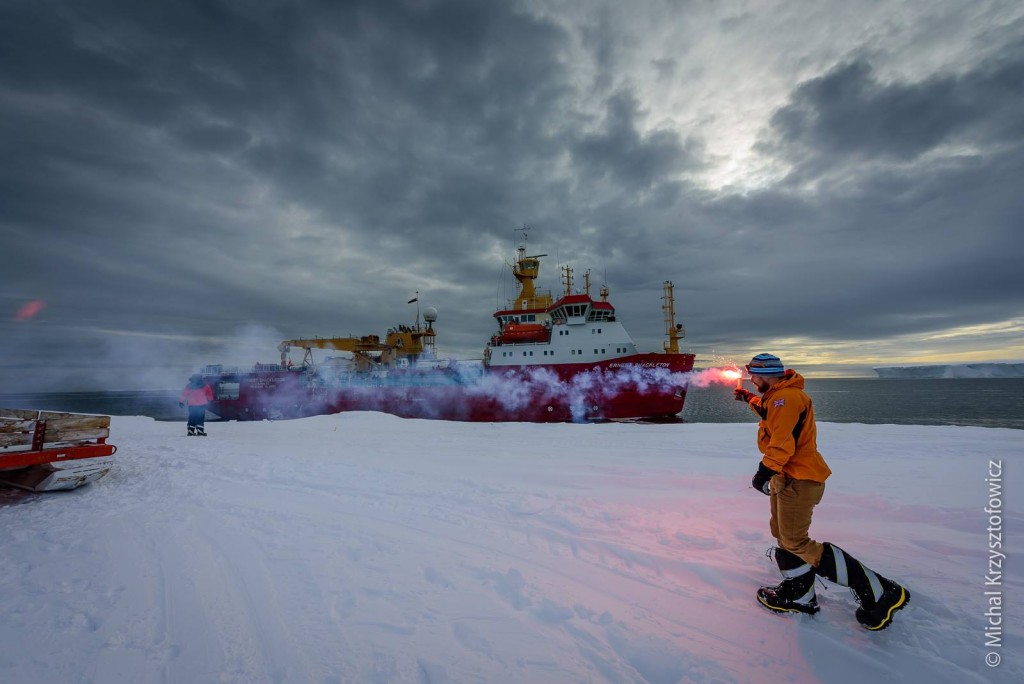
{"points": [[879, 597], [191, 430], [200, 430], [796, 592]]}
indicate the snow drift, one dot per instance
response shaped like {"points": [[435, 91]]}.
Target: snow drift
{"points": [[366, 548]]}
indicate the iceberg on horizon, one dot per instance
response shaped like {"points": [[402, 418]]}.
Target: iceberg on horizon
{"points": [[961, 370]]}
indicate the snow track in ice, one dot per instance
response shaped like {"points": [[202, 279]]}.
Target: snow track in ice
{"points": [[366, 548]]}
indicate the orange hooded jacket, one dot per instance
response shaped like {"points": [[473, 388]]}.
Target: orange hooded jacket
{"points": [[787, 434]]}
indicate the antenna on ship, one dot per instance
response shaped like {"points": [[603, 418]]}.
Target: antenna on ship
{"points": [[416, 299], [524, 230], [567, 279]]}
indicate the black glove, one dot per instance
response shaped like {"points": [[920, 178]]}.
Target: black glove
{"points": [[762, 477], [743, 395], [181, 404]]}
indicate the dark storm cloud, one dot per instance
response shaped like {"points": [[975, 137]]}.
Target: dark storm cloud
{"points": [[633, 161], [142, 142], [187, 168], [889, 242], [849, 113], [354, 110], [900, 214]]}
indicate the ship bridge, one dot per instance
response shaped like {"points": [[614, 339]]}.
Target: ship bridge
{"points": [[580, 308]]}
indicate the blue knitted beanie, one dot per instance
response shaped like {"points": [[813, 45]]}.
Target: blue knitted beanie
{"points": [[766, 364]]}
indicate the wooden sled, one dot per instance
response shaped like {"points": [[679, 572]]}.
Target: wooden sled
{"points": [[44, 450]]}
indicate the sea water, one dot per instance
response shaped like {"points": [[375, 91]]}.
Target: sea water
{"points": [[977, 402]]}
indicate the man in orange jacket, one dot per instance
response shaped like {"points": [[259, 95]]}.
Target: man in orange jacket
{"points": [[196, 395], [793, 474]]}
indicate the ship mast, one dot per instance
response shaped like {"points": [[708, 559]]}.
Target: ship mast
{"points": [[674, 330], [567, 279]]}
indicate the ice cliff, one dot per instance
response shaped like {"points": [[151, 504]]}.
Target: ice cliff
{"points": [[966, 370]]}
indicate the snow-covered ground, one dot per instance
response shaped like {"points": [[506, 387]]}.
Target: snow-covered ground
{"points": [[366, 548]]}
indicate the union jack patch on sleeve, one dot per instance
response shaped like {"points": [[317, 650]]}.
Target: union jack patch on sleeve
{"points": [[779, 402]]}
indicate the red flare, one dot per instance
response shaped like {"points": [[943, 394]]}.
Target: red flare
{"points": [[733, 375]]}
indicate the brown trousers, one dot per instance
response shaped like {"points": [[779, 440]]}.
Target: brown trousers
{"points": [[792, 503]]}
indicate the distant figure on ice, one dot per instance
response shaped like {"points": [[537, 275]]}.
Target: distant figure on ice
{"points": [[793, 474], [196, 395]]}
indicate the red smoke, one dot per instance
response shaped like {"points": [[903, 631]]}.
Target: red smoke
{"points": [[30, 310]]}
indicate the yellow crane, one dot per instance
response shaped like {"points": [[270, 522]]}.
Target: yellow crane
{"points": [[368, 352]]}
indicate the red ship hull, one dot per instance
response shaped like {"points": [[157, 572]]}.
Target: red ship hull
{"points": [[635, 387]]}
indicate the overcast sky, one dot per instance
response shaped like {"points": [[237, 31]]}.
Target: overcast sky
{"points": [[835, 182]]}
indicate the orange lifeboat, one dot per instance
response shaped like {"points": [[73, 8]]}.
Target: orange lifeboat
{"points": [[524, 332]]}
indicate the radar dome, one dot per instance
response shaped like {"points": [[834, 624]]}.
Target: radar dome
{"points": [[430, 314]]}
